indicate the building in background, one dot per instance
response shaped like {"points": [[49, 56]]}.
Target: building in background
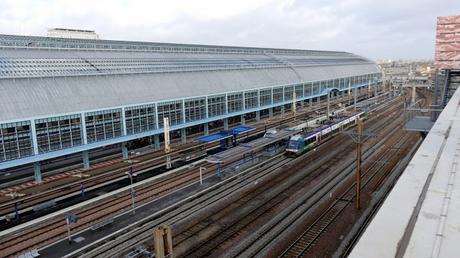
{"points": [[447, 58], [72, 33]]}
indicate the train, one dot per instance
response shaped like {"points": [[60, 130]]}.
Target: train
{"points": [[301, 143]]}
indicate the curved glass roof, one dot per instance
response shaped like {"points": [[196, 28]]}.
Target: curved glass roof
{"points": [[44, 76]]}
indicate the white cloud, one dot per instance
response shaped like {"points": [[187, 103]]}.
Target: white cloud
{"points": [[389, 29]]}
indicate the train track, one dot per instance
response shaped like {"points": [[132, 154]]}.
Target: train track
{"points": [[54, 229], [144, 163], [41, 236], [334, 102], [312, 234], [255, 244], [141, 231], [124, 240]]}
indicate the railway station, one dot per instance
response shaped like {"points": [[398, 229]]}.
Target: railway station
{"points": [[141, 149], [76, 95]]}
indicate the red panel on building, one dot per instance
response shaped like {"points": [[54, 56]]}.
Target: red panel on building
{"points": [[447, 54]]}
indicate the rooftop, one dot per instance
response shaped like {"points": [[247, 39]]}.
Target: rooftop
{"points": [[41, 76], [421, 215]]}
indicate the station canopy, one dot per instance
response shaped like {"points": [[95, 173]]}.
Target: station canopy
{"points": [[222, 135]]}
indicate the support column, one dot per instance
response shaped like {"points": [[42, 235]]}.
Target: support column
{"points": [[183, 136], [282, 110], [37, 173], [258, 115], [302, 104], [206, 128], [243, 120], [85, 159], [124, 150], [270, 112], [150, 140], [156, 141], [225, 123]]}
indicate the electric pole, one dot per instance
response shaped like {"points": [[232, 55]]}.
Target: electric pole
{"points": [[358, 163]]}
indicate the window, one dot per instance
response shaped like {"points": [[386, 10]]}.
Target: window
{"points": [[103, 125], [235, 102], [288, 92], [15, 140], [195, 109], [299, 91], [278, 95], [140, 118], [316, 88], [251, 99], [216, 105], [57, 133], [265, 97], [172, 110], [308, 89]]}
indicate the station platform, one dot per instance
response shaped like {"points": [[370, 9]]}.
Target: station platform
{"points": [[250, 147], [223, 135], [421, 215]]}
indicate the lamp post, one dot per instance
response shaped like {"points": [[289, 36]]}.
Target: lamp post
{"points": [[130, 175], [201, 174]]}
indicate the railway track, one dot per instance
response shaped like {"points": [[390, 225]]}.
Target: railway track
{"points": [[54, 228], [312, 234], [257, 243], [42, 236], [117, 156], [142, 164], [127, 240], [141, 231]]}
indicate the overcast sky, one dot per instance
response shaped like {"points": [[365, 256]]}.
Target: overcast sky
{"points": [[389, 29]]}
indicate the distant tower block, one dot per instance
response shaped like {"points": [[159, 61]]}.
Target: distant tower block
{"points": [[72, 33]]}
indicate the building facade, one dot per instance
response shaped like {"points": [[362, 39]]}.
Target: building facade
{"points": [[447, 58], [64, 96]]}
